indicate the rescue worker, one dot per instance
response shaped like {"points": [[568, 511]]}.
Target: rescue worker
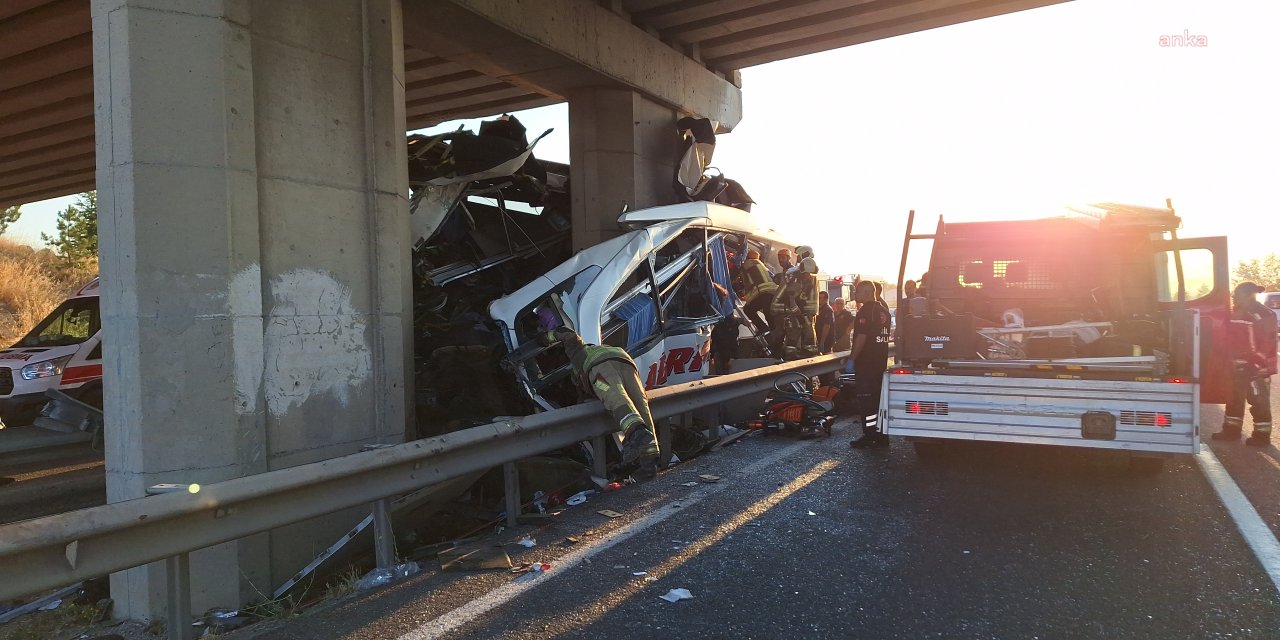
{"points": [[807, 300], [758, 292], [611, 375], [870, 355], [842, 327], [1252, 380], [784, 263], [795, 305]]}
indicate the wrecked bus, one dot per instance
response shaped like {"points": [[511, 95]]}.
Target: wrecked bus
{"points": [[655, 291], [1100, 329]]}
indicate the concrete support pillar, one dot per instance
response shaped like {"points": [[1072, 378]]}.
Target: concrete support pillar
{"points": [[254, 236], [622, 150]]}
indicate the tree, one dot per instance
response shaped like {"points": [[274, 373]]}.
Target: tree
{"points": [[9, 216], [1265, 272], [77, 239]]}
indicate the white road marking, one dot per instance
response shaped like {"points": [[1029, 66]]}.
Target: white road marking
{"points": [[508, 592], [1255, 531]]}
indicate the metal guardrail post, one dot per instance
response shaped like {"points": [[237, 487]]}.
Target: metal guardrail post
{"points": [[512, 481], [177, 571], [599, 456], [384, 539]]}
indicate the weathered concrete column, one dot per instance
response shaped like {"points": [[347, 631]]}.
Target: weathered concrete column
{"points": [[254, 255], [622, 150]]}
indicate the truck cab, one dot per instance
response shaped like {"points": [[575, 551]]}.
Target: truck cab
{"points": [[1100, 329]]}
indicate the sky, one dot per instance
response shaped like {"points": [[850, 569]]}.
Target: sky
{"points": [[1013, 116]]}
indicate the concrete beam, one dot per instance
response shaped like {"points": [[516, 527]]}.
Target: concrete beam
{"points": [[558, 47]]}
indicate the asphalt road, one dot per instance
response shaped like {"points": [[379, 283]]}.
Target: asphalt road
{"points": [[812, 539]]}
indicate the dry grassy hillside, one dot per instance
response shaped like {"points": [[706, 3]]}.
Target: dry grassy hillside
{"points": [[32, 283]]}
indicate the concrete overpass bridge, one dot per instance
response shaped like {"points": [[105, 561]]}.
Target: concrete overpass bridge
{"points": [[253, 212]]}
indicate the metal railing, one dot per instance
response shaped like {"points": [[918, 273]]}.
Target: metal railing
{"points": [[58, 550]]}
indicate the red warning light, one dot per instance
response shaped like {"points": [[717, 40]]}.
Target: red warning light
{"points": [[913, 407], [901, 371], [1162, 419], [1177, 380]]}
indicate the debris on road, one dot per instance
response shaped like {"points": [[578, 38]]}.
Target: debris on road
{"points": [[579, 498], [380, 577], [710, 478], [474, 557], [527, 543], [814, 514], [676, 595], [531, 571], [639, 573], [609, 513], [691, 484], [571, 540]]}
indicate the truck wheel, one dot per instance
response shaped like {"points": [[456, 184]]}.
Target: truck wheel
{"points": [[1146, 465]]}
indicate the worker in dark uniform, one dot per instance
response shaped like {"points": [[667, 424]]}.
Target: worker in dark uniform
{"points": [[870, 354], [758, 292], [824, 323], [610, 374], [1252, 380]]}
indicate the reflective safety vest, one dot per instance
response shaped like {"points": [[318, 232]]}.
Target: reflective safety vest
{"points": [[757, 279]]}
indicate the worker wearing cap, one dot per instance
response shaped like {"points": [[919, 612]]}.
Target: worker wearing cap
{"points": [[611, 375], [759, 290], [1252, 379]]}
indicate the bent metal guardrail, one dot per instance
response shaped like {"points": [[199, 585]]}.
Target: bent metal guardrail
{"points": [[58, 550]]}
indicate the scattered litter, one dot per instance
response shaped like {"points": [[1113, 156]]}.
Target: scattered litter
{"points": [[223, 614], [676, 595], [814, 514], [966, 551], [527, 543], [728, 430], [540, 501], [710, 478], [614, 486], [691, 484], [639, 573], [51, 606], [571, 540], [619, 566], [650, 579], [474, 557], [379, 577], [675, 460], [531, 572], [609, 513], [578, 498], [677, 542]]}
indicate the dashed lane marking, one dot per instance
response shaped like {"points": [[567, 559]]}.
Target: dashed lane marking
{"points": [[1255, 531], [510, 591]]}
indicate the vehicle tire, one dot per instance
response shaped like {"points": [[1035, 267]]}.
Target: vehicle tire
{"points": [[1146, 465]]}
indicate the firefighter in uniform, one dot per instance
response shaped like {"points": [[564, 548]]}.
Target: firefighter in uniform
{"points": [[807, 298], [611, 375], [759, 290], [870, 355], [796, 304], [1252, 380]]}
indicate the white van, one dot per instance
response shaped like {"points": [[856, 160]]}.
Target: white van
{"points": [[63, 351]]}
